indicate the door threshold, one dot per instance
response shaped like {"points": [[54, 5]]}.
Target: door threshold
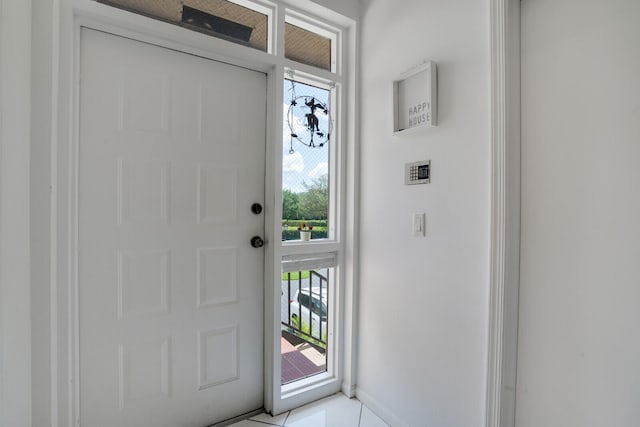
{"points": [[239, 418]]}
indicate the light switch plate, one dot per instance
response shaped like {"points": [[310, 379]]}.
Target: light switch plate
{"points": [[419, 224]]}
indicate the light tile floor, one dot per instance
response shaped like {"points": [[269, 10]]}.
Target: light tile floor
{"points": [[333, 411]]}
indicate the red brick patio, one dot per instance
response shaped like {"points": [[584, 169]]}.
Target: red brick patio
{"points": [[300, 361]]}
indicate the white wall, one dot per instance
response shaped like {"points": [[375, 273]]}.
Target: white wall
{"points": [[41, 136], [424, 301], [579, 350], [349, 8], [15, 375]]}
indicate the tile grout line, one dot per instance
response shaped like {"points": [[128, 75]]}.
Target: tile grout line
{"points": [[284, 423], [264, 422], [360, 417]]}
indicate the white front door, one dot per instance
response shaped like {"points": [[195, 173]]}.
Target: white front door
{"points": [[171, 158]]}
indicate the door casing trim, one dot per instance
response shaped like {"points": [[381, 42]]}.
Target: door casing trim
{"points": [[505, 214]]}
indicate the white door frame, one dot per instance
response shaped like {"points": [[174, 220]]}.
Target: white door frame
{"points": [[64, 392], [68, 17], [505, 213]]}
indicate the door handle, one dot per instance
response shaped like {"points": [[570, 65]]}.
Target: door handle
{"points": [[256, 208], [257, 242]]}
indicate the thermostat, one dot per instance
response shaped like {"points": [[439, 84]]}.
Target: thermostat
{"points": [[417, 172]]}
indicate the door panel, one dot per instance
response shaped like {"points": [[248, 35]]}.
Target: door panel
{"points": [[171, 157]]}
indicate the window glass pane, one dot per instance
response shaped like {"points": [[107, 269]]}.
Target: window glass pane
{"points": [[218, 18], [307, 47], [304, 300], [305, 168], [305, 323]]}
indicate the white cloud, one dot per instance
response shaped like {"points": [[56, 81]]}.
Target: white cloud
{"points": [[297, 126], [294, 188], [293, 163], [318, 171]]}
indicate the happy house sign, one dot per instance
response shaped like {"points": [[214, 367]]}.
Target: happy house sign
{"points": [[415, 98], [419, 114]]}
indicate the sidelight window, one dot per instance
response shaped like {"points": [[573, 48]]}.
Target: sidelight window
{"points": [[305, 315], [312, 243], [306, 153]]}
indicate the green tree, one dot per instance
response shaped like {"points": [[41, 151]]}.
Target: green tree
{"points": [[290, 205], [314, 202]]}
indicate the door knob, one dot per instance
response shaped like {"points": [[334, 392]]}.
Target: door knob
{"points": [[257, 242], [256, 208]]}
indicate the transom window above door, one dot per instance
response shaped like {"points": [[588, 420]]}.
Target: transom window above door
{"points": [[243, 22], [307, 47]]}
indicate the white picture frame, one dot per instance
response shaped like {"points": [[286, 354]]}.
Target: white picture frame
{"points": [[415, 99]]}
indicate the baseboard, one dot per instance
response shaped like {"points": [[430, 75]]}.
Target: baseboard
{"points": [[379, 409]]}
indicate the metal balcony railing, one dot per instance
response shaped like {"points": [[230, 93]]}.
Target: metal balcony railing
{"points": [[307, 307]]}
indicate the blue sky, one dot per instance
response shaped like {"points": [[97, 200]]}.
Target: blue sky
{"points": [[305, 164]]}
